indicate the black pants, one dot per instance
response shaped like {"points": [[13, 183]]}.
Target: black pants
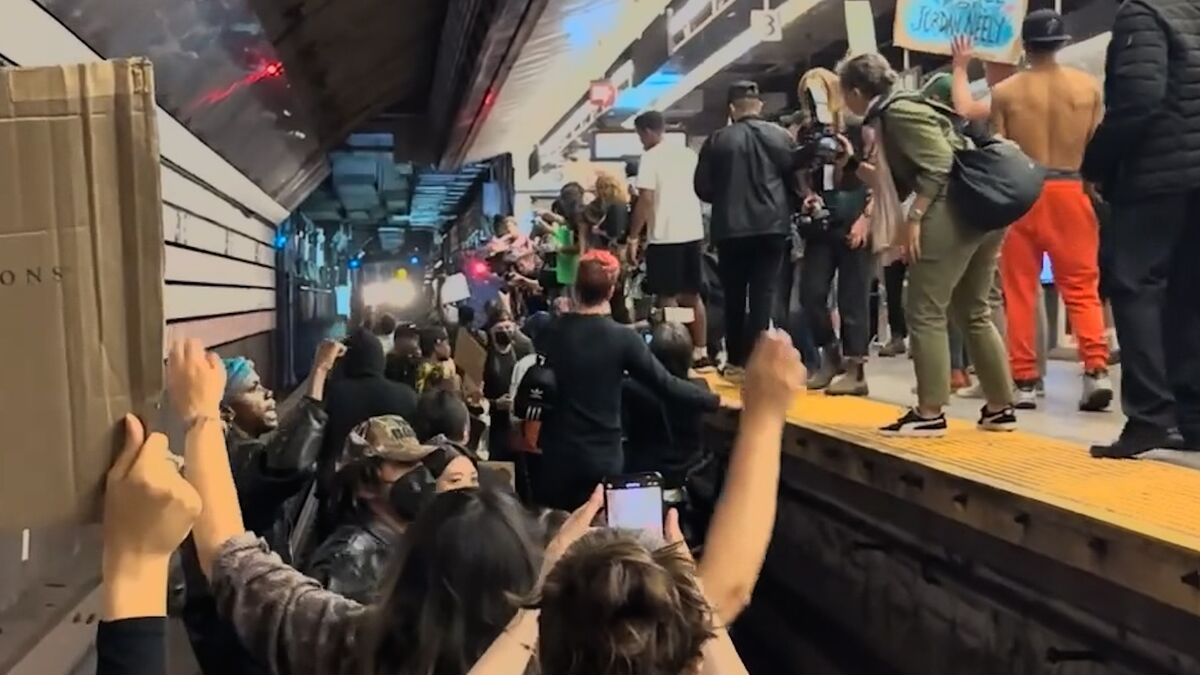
{"points": [[893, 290], [823, 258], [1148, 264], [749, 268], [790, 314]]}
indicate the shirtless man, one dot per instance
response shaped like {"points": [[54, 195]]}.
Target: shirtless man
{"points": [[1051, 111]]}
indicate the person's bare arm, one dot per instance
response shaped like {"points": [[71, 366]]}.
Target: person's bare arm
{"points": [[721, 657], [965, 103], [744, 518], [195, 381], [328, 352], [643, 214]]}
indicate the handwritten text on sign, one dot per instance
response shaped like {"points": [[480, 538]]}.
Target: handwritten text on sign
{"points": [[994, 25]]}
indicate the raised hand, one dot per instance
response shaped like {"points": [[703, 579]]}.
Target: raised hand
{"points": [[774, 375], [195, 381]]}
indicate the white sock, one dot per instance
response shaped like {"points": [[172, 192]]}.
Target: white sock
{"points": [[699, 353]]}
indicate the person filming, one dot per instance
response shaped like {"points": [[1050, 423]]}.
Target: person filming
{"points": [[835, 229]]}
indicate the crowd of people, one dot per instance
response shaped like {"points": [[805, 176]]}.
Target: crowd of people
{"points": [[398, 514], [363, 524], [801, 221]]}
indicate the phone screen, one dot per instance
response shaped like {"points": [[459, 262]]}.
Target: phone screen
{"points": [[635, 503]]}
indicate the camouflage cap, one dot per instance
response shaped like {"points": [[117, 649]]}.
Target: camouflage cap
{"points": [[387, 437]]}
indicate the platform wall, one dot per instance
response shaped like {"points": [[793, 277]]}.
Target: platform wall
{"points": [[219, 231]]}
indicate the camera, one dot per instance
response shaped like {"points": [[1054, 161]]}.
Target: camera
{"points": [[813, 223], [819, 145]]}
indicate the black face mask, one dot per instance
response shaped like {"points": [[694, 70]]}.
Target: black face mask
{"points": [[418, 487], [412, 492]]}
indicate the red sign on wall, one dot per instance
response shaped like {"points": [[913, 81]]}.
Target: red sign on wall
{"points": [[602, 94]]}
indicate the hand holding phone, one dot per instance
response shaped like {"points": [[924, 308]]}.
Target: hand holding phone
{"points": [[635, 502]]}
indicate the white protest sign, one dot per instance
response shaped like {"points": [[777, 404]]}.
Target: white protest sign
{"points": [[860, 27], [993, 25]]}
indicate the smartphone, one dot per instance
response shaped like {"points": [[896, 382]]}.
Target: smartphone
{"points": [[635, 502]]}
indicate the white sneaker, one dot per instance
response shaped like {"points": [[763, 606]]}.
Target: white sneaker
{"points": [[975, 391], [734, 374], [1097, 392], [1025, 398]]}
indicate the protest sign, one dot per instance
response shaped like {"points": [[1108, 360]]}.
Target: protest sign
{"points": [[993, 25], [81, 280], [860, 27]]}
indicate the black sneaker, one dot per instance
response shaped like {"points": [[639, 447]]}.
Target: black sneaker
{"points": [[1002, 420], [703, 365], [912, 425], [1132, 443]]}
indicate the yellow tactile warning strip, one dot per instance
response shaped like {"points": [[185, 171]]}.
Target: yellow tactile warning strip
{"points": [[1153, 499]]}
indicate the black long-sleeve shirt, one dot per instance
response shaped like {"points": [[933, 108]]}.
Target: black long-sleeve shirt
{"points": [[132, 647], [581, 439]]}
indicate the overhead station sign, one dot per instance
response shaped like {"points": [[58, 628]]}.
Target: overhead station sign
{"points": [[993, 25], [767, 24]]}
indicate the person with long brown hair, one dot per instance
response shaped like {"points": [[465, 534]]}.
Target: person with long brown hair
{"points": [[836, 246], [952, 263], [616, 602]]}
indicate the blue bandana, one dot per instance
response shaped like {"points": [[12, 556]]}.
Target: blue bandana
{"points": [[239, 371]]}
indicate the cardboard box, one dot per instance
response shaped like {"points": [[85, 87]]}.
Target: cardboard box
{"points": [[81, 275]]}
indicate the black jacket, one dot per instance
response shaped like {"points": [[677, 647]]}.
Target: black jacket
{"points": [[746, 171], [663, 435], [1149, 141], [271, 475], [352, 562], [362, 393]]}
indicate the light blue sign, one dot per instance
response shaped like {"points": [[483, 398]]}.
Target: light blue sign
{"points": [[992, 24]]}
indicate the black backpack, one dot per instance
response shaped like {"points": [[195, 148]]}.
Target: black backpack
{"points": [[536, 392], [992, 182]]}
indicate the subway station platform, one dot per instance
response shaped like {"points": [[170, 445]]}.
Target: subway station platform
{"points": [[1097, 560]]}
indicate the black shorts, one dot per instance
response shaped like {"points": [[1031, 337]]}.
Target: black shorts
{"points": [[674, 269]]}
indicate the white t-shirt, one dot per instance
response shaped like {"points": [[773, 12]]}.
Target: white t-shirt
{"points": [[668, 169]]}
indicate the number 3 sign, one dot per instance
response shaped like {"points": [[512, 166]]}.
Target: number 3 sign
{"points": [[767, 24]]}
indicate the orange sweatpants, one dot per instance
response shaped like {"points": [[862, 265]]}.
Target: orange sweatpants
{"points": [[1063, 224]]}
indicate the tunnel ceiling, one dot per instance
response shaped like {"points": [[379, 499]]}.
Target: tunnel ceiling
{"points": [[354, 61], [275, 85]]}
